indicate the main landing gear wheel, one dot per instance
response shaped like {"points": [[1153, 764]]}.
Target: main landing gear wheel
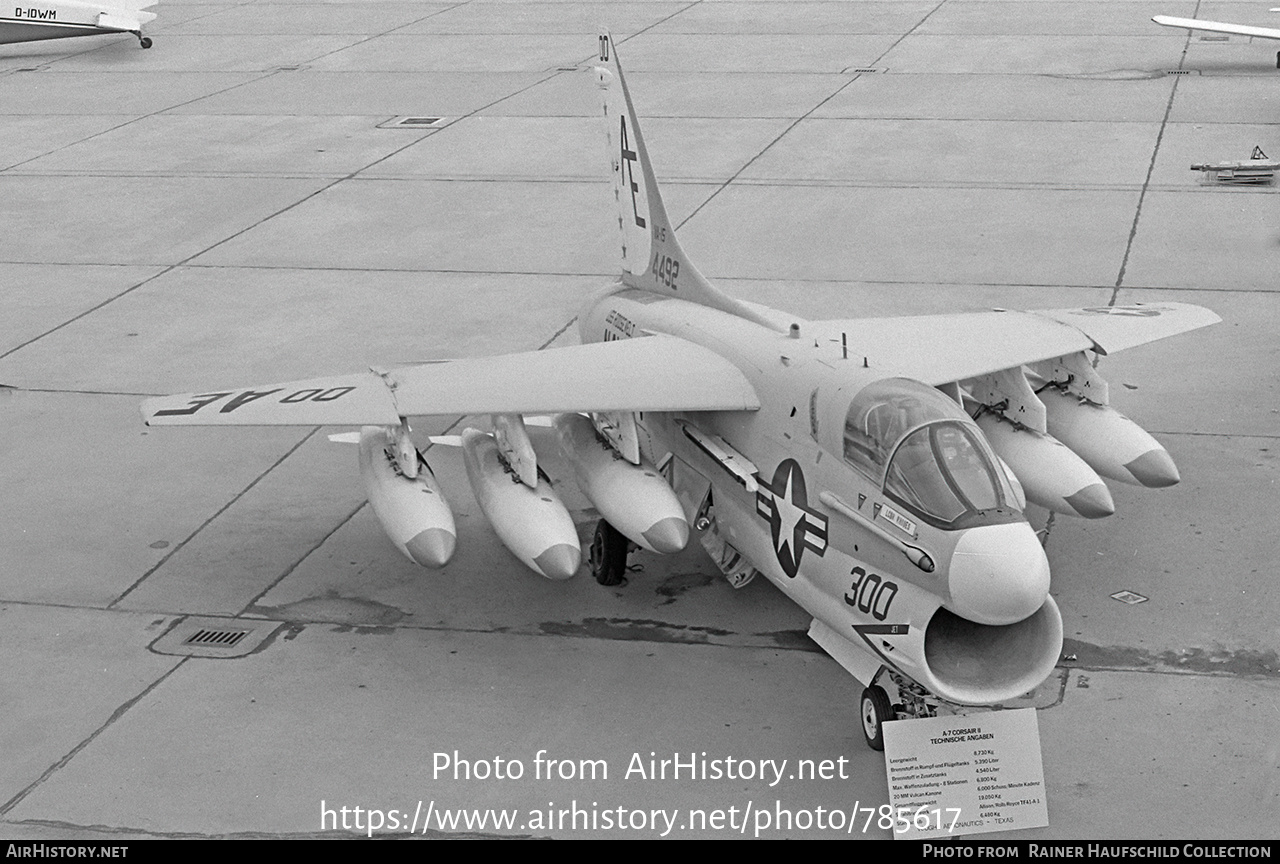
{"points": [[144, 41], [876, 711], [608, 554]]}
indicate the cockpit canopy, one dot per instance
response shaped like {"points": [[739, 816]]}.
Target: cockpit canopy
{"points": [[927, 454]]}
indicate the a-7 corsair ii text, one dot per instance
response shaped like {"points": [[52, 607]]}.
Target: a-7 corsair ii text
{"points": [[840, 458]]}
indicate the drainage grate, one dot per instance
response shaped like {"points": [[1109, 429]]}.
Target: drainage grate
{"points": [[1180, 71], [219, 638], [1128, 597], [215, 638], [417, 122], [1215, 38]]}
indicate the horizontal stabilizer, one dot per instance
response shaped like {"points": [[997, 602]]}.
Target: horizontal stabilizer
{"points": [[651, 373], [127, 21], [131, 6], [1217, 27]]}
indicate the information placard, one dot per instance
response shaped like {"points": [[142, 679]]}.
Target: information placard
{"points": [[965, 774]]}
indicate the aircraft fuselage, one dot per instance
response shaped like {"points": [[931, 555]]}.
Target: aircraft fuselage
{"points": [[819, 529], [62, 19], [33, 25]]}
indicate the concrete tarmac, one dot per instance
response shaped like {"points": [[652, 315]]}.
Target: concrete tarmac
{"points": [[236, 205]]}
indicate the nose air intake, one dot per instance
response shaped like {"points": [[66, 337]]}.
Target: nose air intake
{"points": [[999, 574], [981, 664]]}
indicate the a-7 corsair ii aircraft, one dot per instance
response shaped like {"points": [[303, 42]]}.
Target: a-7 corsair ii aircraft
{"points": [[63, 19], [839, 458]]}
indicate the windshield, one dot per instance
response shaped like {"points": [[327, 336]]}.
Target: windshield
{"points": [[941, 471], [883, 412], [927, 454]]}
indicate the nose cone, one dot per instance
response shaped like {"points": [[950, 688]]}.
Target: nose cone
{"points": [[999, 574], [1092, 502], [1154, 469], [432, 547], [560, 561], [668, 535]]}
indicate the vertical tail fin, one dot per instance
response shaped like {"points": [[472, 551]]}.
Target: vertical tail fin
{"points": [[652, 259]]}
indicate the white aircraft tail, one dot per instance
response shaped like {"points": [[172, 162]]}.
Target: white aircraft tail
{"points": [[652, 259]]}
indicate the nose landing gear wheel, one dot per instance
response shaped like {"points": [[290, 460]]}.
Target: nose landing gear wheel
{"points": [[876, 711], [608, 554]]}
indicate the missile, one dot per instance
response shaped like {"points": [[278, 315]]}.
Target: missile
{"points": [[1050, 473], [412, 510], [635, 499], [1110, 442], [532, 523]]}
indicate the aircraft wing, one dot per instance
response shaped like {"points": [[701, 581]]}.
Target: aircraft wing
{"points": [[939, 349], [125, 5], [651, 373], [1115, 328], [1217, 27]]}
